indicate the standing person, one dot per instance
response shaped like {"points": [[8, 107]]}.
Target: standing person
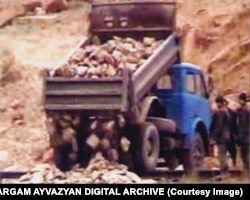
{"points": [[219, 130], [243, 126], [231, 145]]}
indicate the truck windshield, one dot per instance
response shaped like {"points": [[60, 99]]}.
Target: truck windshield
{"points": [[165, 82]]}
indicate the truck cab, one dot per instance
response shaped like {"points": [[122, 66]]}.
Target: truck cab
{"points": [[185, 97]]}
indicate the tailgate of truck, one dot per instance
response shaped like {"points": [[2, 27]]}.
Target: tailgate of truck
{"points": [[86, 94]]}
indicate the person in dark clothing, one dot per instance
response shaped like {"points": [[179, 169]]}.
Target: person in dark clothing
{"points": [[220, 131], [243, 126], [231, 145]]}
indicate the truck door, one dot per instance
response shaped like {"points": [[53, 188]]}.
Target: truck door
{"points": [[167, 91], [196, 99], [203, 99], [190, 101]]}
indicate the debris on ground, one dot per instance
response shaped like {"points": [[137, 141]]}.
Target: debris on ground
{"points": [[99, 170]]}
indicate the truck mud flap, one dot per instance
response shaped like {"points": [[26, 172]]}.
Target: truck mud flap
{"points": [[163, 125]]}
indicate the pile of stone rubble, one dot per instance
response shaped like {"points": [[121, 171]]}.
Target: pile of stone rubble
{"points": [[108, 59], [99, 170]]}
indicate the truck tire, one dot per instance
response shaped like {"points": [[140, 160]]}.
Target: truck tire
{"points": [[145, 148], [61, 158], [194, 157]]}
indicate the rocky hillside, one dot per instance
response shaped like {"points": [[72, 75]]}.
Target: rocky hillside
{"points": [[216, 36]]}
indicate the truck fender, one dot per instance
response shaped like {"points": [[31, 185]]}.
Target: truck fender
{"points": [[197, 123], [145, 106]]}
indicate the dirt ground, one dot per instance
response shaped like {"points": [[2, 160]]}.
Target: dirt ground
{"points": [[215, 36], [36, 43]]}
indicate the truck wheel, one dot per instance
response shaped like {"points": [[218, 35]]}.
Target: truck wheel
{"points": [[61, 158], [145, 148], [194, 157]]}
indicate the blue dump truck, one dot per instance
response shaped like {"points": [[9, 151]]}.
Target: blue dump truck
{"points": [[164, 104]]}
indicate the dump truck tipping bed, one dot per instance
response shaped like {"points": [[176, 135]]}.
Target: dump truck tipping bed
{"points": [[157, 65], [131, 19]]}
